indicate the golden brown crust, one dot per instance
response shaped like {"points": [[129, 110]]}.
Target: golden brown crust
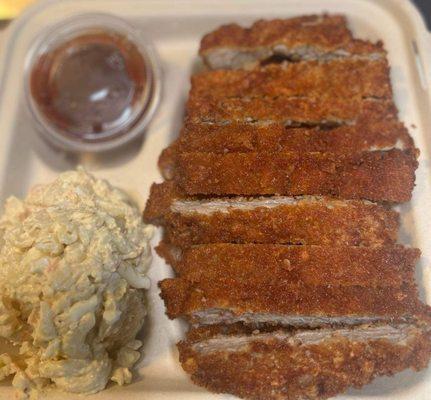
{"points": [[240, 137], [338, 78], [170, 253], [291, 129], [275, 369], [287, 110], [369, 133], [235, 295], [159, 201], [308, 222], [378, 266], [265, 32], [378, 176], [355, 223], [309, 37]]}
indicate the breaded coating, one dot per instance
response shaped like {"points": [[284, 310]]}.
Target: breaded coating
{"points": [[276, 216], [239, 137], [367, 134], [305, 220], [322, 37], [159, 201], [337, 78], [298, 365], [170, 253], [271, 299], [377, 176], [377, 266], [264, 32], [290, 111], [276, 219]]}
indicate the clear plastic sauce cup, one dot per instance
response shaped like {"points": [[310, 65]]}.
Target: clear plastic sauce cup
{"points": [[92, 83]]}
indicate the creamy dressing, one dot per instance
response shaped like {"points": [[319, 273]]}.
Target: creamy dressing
{"points": [[73, 261]]}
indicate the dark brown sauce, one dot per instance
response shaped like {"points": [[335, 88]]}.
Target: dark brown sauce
{"points": [[90, 84]]}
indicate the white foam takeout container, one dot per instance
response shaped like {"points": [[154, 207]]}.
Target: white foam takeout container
{"points": [[175, 27]]}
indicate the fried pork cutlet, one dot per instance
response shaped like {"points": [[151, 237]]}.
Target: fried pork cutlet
{"points": [[376, 266], [377, 176], [278, 300], [285, 304], [276, 219], [338, 78], [314, 37], [367, 135], [304, 220], [297, 364], [290, 111], [159, 201]]}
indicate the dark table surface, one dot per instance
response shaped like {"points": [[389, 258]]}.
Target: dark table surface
{"points": [[425, 7]]}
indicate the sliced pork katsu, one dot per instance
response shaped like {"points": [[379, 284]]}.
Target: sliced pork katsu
{"points": [[159, 201], [266, 301], [287, 110], [315, 37], [378, 176], [371, 132], [301, 364], [304, 220], [277, 219], [339, 78], [377, 266], [293, 285], [367, 135]]}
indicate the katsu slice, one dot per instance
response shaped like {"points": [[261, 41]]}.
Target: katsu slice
{"points": [[268, 300], [280, 219], [298, 364], [159, 201], [338, 78], [366, 135], [378, 176], [313, 37], [287, 110], [303, 220], [378, 266], [170, 253]]}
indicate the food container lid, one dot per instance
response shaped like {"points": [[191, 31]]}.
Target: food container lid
{"points": [[92, 82]]}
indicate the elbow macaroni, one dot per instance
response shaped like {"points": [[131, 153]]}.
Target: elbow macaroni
{"points": [[73, 261]]}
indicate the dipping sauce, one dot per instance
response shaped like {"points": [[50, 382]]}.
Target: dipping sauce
{"points": [[93, 85]]}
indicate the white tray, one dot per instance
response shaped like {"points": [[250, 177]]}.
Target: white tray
{"points": [[176, 27]]}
